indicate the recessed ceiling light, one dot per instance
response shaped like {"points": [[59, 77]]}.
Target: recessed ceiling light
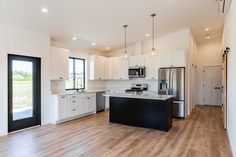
{"points": [[207, 29], [147, 35], [74, 38], [93, 44], [108, 48], [44, 10], [208, 37]]}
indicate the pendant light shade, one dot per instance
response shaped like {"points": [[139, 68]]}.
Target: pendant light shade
{"points": [[125, 45], [153, 51]]}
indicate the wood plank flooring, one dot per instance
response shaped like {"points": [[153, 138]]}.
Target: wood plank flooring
{"points": [[201, 135]]}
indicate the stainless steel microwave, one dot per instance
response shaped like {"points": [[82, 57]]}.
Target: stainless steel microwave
{"points": [[137, 72]]}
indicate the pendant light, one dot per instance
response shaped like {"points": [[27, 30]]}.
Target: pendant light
{"points": [[125, 52], [153, 35]]}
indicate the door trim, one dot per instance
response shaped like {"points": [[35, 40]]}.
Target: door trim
{"points": [[37, 112]]}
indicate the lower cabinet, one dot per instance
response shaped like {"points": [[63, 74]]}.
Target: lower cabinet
{"points": [[73, 106]]}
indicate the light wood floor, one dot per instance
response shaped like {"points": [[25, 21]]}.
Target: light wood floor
{"points": [[201, 135]]}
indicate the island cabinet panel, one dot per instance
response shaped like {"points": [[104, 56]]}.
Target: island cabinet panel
{"points": [[148, 113]]}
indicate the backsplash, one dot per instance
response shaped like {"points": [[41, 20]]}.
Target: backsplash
{"points": [[123, 85]]}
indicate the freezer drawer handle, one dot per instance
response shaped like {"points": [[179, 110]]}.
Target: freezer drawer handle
{"points": [[178, 102]]}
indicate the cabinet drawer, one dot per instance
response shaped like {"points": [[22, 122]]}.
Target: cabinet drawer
{"points": [[69, 97], [73, 103], [72, 112]]}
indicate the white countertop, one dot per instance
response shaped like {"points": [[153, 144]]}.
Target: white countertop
{"points": [[73, 92], [153, 96]]}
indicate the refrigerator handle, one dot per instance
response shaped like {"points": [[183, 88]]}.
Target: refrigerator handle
{"points": [[170, 82]]}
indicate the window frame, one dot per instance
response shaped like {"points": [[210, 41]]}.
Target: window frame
{"points": [[74, 82]]}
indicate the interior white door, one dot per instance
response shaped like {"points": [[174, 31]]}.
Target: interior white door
{"points": [[212, 85]]}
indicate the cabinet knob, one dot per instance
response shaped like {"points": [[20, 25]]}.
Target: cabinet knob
{"points": [[61, 78], [63, 97], [73, 109], [100, 78], [88, 98], [120, 78]]}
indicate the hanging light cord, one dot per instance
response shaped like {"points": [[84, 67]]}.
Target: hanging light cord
{"points": [[153, 31]]}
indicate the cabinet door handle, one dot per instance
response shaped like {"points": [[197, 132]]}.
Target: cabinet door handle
{"points": [[88, 98], [61, 78], [73, 109], [73, 101], [63, 97], [73, 96]]}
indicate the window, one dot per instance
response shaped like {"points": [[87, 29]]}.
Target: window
{"points": [[76, 74]]}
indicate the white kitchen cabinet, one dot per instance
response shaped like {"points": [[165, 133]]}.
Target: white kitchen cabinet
{"points": [[152, 64], [109, 69], [74, 106], [98, 67], [90, 103], [61, 107], [120, 68], [173, 59], [59, 68], [179, 59], [138, 60]]}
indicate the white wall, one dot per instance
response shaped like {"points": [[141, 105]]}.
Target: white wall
{"points": [[14, 40], [230, 41], [190, 73], [58, 86], [174, 41], [208, 54]]}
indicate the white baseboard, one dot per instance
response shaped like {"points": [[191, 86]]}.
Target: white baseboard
{"points": [[3, 134]]}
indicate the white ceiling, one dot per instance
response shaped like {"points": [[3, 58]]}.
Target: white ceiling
{"points": [[101, 21]]}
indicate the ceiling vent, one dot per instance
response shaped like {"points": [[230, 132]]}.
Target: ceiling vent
{"points": [[223, 6]]}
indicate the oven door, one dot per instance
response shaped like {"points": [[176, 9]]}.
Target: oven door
{"points": [[134, 73]]}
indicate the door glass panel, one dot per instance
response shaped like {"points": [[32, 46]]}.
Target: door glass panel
{"points": [[22, 89]]}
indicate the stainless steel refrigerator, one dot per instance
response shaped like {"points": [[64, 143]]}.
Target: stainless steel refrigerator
{"points": [[172, 82]]}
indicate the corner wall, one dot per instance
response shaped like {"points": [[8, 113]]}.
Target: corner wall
{"points": [[14, 40], [230, 41]]}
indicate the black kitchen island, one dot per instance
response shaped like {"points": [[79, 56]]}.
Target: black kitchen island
{"points": [[149, 111]]}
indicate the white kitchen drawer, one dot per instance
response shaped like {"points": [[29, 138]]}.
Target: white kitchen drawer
{"points": [[72, 96], [72, 112], [73, 104]]}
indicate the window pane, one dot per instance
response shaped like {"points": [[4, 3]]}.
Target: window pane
{"points": [[76, 75], [70, 82], [79, 73], [71, 62], [22, 90]]}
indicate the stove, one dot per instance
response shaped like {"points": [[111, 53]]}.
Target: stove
{"points": [[137, 88]]}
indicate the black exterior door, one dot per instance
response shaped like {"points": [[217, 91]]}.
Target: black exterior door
{"points": [[24, 99]]}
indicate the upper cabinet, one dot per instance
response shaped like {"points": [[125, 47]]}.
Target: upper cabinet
{"points": [[59, 64], [152, 64], [120, 68], [138, 60], [98, 67], [116, 68], [173, 59]]}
